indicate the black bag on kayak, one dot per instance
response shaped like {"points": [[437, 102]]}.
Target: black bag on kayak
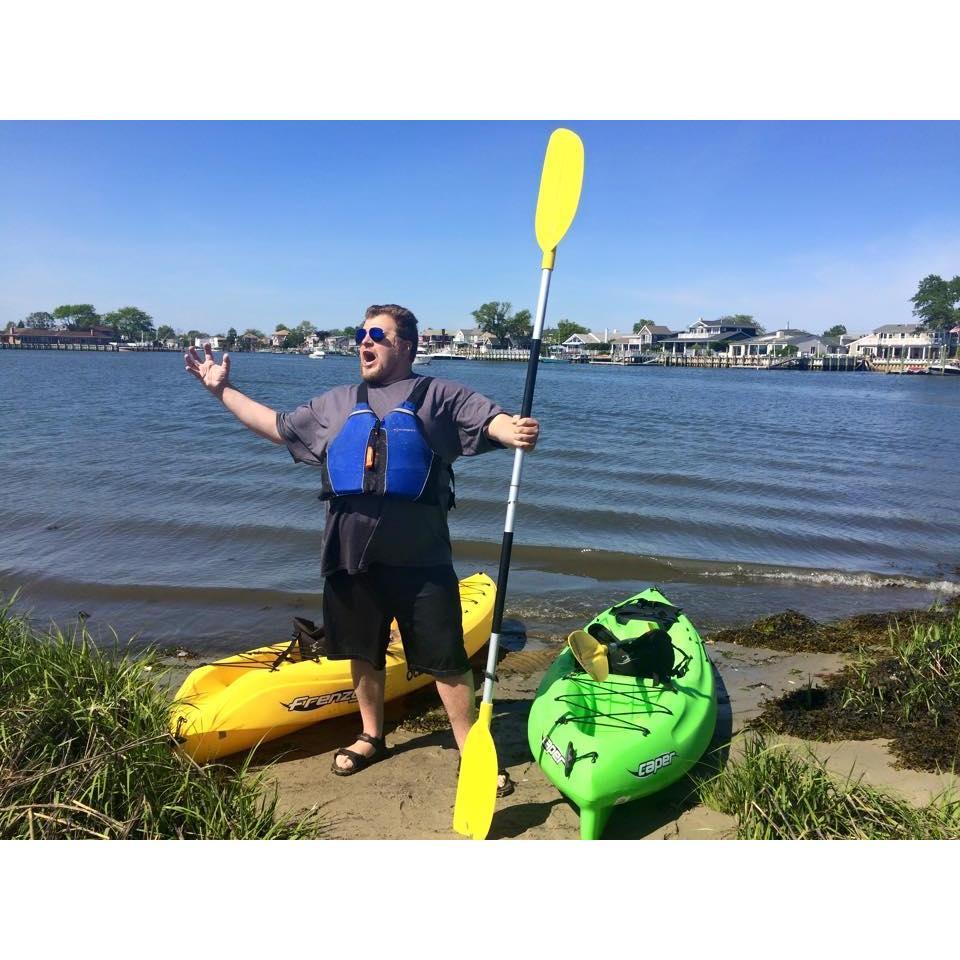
{"points": [[650, 655]]}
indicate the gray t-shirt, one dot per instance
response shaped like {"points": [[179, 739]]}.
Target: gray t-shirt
{"points": [[362, 530]]}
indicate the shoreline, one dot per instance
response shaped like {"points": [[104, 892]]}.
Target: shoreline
{"points": [[410, 795]]}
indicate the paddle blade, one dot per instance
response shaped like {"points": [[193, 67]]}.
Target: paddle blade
{"points": [[560, 185], [590, 654], [477, 786]]}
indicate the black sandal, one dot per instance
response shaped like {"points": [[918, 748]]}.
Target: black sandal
{"points": [[504, 789], [359, 760]]}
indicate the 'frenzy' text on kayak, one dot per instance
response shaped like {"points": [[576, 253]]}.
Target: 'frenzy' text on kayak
{"points": [[322, 700]]}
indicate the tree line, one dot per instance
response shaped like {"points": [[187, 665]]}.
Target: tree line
{"points": [[129, 323], [936, 303]]}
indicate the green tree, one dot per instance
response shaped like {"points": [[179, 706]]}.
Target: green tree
{"points": [[231, 338], [131, 323], [936, 302], [567, 328], [165, 333], [741, 318], [497, 319], [76, 316], [297, 336], [835, 331], [640, 324], [39, 320]]}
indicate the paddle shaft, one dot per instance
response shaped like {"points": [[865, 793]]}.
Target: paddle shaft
{"points": [[506, 545]]}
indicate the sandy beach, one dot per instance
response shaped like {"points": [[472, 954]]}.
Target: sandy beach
{"points": [[410, 795]]}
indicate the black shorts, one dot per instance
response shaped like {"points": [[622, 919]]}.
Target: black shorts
{"points": [[358, 608]]}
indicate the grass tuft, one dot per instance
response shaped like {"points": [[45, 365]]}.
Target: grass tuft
{"points": [[907, 691], [85, 752], [776, 794]]}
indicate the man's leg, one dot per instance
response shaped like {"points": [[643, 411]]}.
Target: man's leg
{"points": [[430, 624], [368, 682], [457, 696]]}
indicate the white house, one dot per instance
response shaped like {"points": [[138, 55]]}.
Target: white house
{"points": [[577, 342], [471, 338], [775, 345], [217, 342], [277, 338], [900, 341], [643, 341], [709, 336]]}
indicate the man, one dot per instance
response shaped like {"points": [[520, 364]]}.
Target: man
{"points": [[386, 546]]}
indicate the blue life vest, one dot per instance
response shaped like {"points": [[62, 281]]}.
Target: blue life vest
{"points": [[385, 458]]}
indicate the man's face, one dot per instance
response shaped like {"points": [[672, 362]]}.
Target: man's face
{"points": [[390, 359]]}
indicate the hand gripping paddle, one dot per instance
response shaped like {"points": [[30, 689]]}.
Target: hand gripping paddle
{"points": [[557, 202]]}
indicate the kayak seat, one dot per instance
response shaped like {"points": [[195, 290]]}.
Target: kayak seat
{"points": [[309, 640], [650, 655], [663, 613]]}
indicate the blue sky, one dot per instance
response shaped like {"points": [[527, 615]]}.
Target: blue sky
{"points": [[212, 225]]}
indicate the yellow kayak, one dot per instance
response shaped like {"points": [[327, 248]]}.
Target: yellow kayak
{"points": [[252, 697]]}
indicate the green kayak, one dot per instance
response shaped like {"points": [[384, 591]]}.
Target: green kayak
{"points": [[606, 742]]}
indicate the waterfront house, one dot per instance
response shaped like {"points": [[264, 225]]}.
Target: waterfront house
{"points": [[217, 342], [432, 339], [900, 341], [250, 341], [635, 344], [778, 344], [30, 336], [578, 342], [472, 338], [278, 338], [338, 343], [709, 336]]}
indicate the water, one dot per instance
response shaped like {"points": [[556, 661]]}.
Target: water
{"points": [[129, 493]]}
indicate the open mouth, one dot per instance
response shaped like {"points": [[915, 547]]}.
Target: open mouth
{"points": [[367, 356]]}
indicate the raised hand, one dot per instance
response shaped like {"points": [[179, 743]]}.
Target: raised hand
{"points": [[214, 376]]}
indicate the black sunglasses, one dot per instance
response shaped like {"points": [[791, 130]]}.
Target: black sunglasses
{"points": [[376, 335]]}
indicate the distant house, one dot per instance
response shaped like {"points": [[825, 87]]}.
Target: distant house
{"points": [[472, 338], [775, 344], [250, 341], [277, 339], [709, 336], [217, 342], [643, 341], [95, 336], [432, 339], [339, 342], [900, 341], [578, 342]]}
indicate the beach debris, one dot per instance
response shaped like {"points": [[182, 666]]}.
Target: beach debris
{"points": [[907, 691]]}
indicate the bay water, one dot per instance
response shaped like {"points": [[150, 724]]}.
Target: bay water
{"points": [[128, 495]]}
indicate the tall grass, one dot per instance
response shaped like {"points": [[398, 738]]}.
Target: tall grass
{"points": [[775, 794], [918, 679], [85, 752]]}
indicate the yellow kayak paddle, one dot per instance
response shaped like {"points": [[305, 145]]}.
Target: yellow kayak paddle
{"points": [[557, 202]]}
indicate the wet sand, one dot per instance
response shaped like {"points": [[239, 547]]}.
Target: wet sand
{"points": [[410, 795]]}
